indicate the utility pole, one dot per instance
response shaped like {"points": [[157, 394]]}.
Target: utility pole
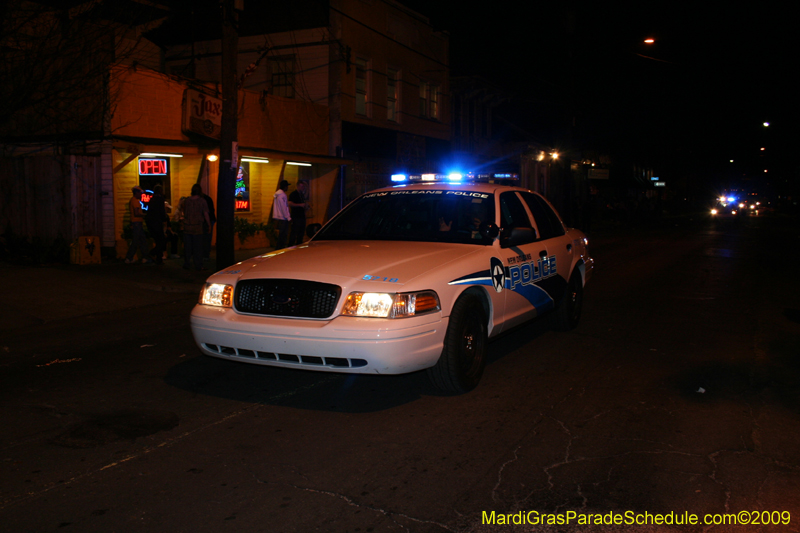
{"points": [[228, 150]]}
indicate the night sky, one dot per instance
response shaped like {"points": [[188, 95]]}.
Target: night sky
{"points": [[688, 103]]}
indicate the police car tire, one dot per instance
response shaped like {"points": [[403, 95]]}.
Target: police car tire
{"points": [[568, 313], [463, 358]]}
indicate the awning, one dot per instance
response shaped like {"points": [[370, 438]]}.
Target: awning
{"points": [[144, 145]]}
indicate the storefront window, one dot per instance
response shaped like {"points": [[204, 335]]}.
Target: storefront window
{"points": [[154, 171]]}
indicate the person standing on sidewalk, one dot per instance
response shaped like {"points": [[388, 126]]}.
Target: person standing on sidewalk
{"points": [[155, 218], [298, 204], [195, 214], [138, 239], [280, 212], [208, 234]]}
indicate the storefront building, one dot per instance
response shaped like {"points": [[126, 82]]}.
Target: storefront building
{"points": [[165, 132]]}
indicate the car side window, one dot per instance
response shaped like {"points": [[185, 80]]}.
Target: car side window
{"points": [[515, 223], [513, 215], [546, 219]]}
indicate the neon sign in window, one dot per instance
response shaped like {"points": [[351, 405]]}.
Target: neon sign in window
{"points": [[152, 167], [145, 199], [242, 188]]}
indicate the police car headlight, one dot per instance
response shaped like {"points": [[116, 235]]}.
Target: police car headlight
{"points": [[390, 305], [217, 294]]}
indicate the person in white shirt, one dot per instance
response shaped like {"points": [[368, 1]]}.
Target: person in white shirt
{"points": [[280, 213]]}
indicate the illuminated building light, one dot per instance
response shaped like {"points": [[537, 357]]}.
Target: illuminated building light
{"points": [[298, 164], [212, 157], [153, 154], [249, 159]]}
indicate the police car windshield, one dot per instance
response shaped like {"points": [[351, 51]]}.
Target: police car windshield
{"points": [[414, 215]]}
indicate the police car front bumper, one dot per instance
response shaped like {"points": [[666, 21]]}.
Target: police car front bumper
{"points": [[342, 344]]}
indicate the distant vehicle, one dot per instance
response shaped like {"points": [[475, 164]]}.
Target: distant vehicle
{"points": [[412, 277], [728, 208], [758, 207]]}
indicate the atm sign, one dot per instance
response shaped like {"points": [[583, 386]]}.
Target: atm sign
{"points": [[152, 167]]}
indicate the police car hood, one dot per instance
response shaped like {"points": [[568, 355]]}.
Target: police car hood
{"points": [[347, 262]]}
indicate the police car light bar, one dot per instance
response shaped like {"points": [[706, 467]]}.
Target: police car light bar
{"points": [[454, 177]]}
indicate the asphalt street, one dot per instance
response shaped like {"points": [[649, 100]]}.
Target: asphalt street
{"points": [[678, 393]]}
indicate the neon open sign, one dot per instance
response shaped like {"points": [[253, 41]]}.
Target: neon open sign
{"points": [[152, 167]]}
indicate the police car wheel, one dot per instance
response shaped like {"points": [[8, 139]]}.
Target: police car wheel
{"points": [[569, 309], [463, 358]]}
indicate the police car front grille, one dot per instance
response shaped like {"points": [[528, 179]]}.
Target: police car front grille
{"points": [[286, 297], [309, 361]]}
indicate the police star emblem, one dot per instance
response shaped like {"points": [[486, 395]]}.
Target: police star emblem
{"points": [[498, 273]]}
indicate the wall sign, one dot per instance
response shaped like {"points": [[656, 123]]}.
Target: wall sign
{"points": [[202, 114]]}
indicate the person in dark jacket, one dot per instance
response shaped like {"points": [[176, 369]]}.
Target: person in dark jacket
{"points": [[208, 234], [155, 218], [298, 204], [195, 220]]}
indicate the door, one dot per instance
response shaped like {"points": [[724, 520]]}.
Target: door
{"points": [[527, 260]]}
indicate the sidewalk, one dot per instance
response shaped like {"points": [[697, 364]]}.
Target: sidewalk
{"points": [[39, 294]]}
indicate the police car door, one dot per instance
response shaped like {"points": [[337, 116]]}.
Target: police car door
{"points": [[524, 257], [553, 237]]}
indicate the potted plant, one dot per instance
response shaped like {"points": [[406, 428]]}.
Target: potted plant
{"points": [[249, 235]]}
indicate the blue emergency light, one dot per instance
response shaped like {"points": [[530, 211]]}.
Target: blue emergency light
{"points": [[454, 177]]}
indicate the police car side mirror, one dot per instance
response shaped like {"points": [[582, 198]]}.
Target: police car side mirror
{"points": [[517, 236], [489, 231]]}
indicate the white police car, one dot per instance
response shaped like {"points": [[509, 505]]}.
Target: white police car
{"points": [[416, 276]]}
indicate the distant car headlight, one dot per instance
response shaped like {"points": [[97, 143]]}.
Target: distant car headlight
{"points": [[390, 305], [217, 294]]}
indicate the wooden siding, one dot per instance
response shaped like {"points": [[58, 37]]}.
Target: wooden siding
{"points": [[36, 198]]}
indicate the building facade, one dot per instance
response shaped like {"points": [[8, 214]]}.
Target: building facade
{"points": [[379, 68], [341, 100]]}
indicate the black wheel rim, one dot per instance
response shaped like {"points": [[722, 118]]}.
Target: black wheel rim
{"points": [[575, 302], [470, 347]]}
